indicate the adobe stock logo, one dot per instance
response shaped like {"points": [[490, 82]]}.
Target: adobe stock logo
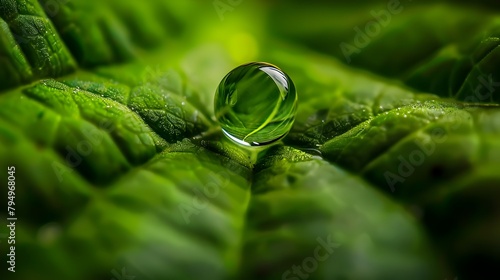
{"points": [[121, 275], [202, 199], [222, 7], [310, 264], [407, 165], [363, 38], [484, 88]]}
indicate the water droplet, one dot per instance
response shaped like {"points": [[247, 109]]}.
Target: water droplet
{"points": [[312, 151], [255, 104], [183, 103], [195, 116]]}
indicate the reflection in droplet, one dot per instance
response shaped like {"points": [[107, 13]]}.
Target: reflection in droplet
{"points": [[255, 104]]}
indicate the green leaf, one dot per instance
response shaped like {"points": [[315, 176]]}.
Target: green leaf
{"points": [[301, 204], [435, 57], [30, 46]]}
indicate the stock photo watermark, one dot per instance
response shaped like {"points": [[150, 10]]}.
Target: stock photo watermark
{"points": [[122, 275], [223, 6], [52, 7], [364, 36], [75, 154], [415, 158], [201, 197], [93, 137], [484, 90], [310, 264], [409, 162], [24, 36], [11, 218]]}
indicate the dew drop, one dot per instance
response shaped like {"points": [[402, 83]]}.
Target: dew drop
{"points": [[255, 104], [195, 116]]}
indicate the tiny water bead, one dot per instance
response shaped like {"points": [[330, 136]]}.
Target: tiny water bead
{"points": [[255, 104]]}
